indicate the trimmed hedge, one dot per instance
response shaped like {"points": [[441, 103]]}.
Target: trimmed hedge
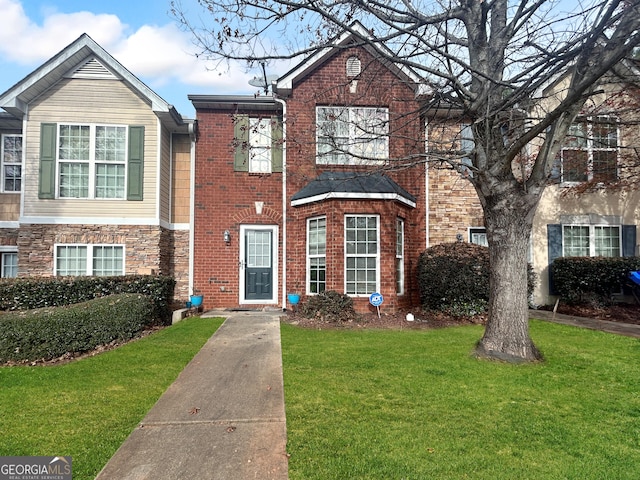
{"points": [[51, 332], [591, 279], [30, 293], [454, 278]]}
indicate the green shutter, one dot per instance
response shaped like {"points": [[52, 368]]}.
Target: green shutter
{"points": [[276, 144], [135, 164], [241, 143], [628, 240], [47, 170]]}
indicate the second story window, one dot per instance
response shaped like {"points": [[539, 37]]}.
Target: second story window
{"points": [[11, 163], [258, 144], [91, 161], [352, 135], [590, 150]]}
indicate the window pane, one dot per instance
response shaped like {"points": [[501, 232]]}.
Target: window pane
{"points": [[361, 247], [575, 164], [74, 180], [109, 181], [74, 142], [12, 178], [9, 265], [260, 145], [607, 241], [71, 260], [575, 241], [111, 144], [108, 260], [316, 248], [12, 149]]}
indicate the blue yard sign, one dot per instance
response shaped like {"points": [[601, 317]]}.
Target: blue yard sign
{"points": [[376, 300]]}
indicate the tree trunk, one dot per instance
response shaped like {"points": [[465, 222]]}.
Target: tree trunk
{"points": [[506, 335]]}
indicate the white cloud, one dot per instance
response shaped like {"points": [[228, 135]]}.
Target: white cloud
{"points": [[161, 55]]}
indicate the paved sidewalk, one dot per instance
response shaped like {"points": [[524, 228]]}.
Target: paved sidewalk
{"points": [[223, 418], [619, 328]]}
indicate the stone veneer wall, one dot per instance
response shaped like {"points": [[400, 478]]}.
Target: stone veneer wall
{"points": [[174, 248], [36, 243]]}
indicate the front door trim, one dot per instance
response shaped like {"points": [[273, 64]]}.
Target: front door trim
{"points": [[242, 263]]}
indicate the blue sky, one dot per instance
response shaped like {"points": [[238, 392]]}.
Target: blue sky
{"points": [[140, 34]]}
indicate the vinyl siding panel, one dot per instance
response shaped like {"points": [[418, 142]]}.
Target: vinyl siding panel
{"points": [[90, 101], [9, 207], [165, 176]]}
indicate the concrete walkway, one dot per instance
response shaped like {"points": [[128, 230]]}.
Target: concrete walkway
{"points": [[626, 329], [223, 418]]}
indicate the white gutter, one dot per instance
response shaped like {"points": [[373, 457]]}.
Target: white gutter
{"points": [[192, 202], [426, 182], [284, 200]]}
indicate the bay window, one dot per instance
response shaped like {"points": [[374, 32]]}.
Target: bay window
{"points": [[361, 254], [316, 254]]}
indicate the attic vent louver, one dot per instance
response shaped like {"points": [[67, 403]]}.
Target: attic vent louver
{"points": [[92, 68], [353, 67]]}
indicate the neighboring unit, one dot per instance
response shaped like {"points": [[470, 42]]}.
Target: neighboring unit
{"points": [[95, 172]]}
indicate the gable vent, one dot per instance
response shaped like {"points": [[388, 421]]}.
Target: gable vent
{"points": [[353, 67], [92, 68]]}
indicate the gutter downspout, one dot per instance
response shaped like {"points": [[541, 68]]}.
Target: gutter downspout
{"points": [[426, 181], [192, 200], [284, 200]]}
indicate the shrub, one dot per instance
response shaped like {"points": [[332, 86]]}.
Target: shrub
{"points": [[591, 279], [29, 293], [454, 278], [50, 332], [329, 306]]}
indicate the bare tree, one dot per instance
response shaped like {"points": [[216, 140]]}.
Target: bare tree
{"points": [[490, 60]]}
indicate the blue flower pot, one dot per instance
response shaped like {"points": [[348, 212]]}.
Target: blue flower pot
{"points": [[293, 298], [196, 300]]}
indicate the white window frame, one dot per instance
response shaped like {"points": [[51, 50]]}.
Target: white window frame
{"points": [[400, 280], [260, 145], [6, 251], [592, 238], [476, 233], [366, 255], [92, 162], [318, 255], [5, 164], [357, 140], [89, 270], [590, 147]]}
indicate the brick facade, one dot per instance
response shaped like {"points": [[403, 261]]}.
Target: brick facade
{"points": [[225, 199]]}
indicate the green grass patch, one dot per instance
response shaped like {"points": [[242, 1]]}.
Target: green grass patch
{"points": [[374, 404], [87, 408]]}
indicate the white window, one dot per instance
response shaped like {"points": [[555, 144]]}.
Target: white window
{"points": [[478, 236], [352, 135], [316, 255], [361, 254], [260, 145], [98, 260], [11, 163], [399, 256], [591, 241], [9, 264], [92, 161], [590, 150]]}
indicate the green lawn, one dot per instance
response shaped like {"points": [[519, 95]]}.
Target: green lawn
{"points": [[365, 404], [87, 408]]}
